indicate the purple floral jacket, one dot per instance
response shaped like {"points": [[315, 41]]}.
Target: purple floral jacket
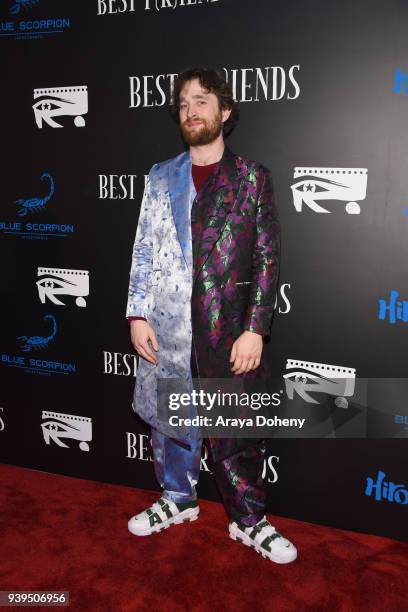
{"points": [[236, 245]]}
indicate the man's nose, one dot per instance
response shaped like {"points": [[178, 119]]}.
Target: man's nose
{"points": [[191, 112]]}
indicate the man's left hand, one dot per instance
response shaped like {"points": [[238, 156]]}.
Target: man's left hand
{"points": [[246, 352]]}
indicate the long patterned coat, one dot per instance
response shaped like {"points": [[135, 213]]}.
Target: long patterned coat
{"points": [[202, 296]]}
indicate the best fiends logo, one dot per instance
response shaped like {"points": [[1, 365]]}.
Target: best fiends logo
{"points": [[257, 84], [28, 208], [283, 299], [344, 184], [60, 101], [139, 446], [119, 364], [112, 7], [24, 27], [57, 426], [35, 343], [117, 186]]}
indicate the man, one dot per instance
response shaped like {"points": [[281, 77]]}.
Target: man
{"points": [[201, 295]]}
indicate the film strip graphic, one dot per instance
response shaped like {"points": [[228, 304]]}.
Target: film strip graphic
{"points": [[322, 369], [58, 101], [344, 184], [309, 376], [58, 425], [56, 91], [332, 172], [60, 281], [62, 272]]}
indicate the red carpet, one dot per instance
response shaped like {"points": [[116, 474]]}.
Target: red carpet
{"points": [[68, 534]]}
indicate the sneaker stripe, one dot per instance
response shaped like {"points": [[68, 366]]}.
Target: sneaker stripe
{"points": [[255, 532], [266, 543], [166, 508], [154, 518]]}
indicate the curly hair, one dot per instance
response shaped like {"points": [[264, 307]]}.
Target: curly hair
{"points": [[213, 81]]}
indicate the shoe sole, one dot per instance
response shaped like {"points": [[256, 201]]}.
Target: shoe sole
{"points": [[187, 516], [245, 539]]}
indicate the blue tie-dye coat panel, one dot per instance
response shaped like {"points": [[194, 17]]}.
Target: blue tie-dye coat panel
{"points": [[161, 283]]}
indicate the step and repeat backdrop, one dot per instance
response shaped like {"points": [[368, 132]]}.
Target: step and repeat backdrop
{"points": [[323, 93]]}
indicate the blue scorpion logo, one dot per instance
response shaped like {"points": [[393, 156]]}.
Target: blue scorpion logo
{"points": [[36, 204], [39, 342], [26, 4]]}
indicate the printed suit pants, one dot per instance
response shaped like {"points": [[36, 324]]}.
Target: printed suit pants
{"points": [[238, 478]]}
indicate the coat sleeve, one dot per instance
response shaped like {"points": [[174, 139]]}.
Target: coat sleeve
{"points": [[142, 259], [265, 260]]}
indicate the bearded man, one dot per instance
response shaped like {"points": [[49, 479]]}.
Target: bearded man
{"points": [[201, 297]]}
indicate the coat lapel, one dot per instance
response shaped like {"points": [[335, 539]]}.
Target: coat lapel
{"points": [[181, 190], [215, 201]]}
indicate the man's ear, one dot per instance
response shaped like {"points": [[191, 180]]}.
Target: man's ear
{"points": [[225, 114]]}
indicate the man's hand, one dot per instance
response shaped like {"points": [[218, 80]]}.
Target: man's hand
{"points": [[246, 352], [141, 332]]}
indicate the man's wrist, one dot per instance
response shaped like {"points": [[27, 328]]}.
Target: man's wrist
{"points": [[130, 319], [252, 331]]}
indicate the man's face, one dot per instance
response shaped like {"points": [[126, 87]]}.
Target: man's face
{"points": [[201, 118]]}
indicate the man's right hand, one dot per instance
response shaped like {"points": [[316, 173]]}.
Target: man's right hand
{"points": [[141, 333]]}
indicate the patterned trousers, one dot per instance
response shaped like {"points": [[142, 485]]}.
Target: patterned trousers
{"points": [[238, 477]]}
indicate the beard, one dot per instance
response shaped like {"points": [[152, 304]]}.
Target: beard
{"points": [[204, 134]]}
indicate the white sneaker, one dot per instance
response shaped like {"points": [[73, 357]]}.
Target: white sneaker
{"points": [[266, 541], [161, 515]]}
